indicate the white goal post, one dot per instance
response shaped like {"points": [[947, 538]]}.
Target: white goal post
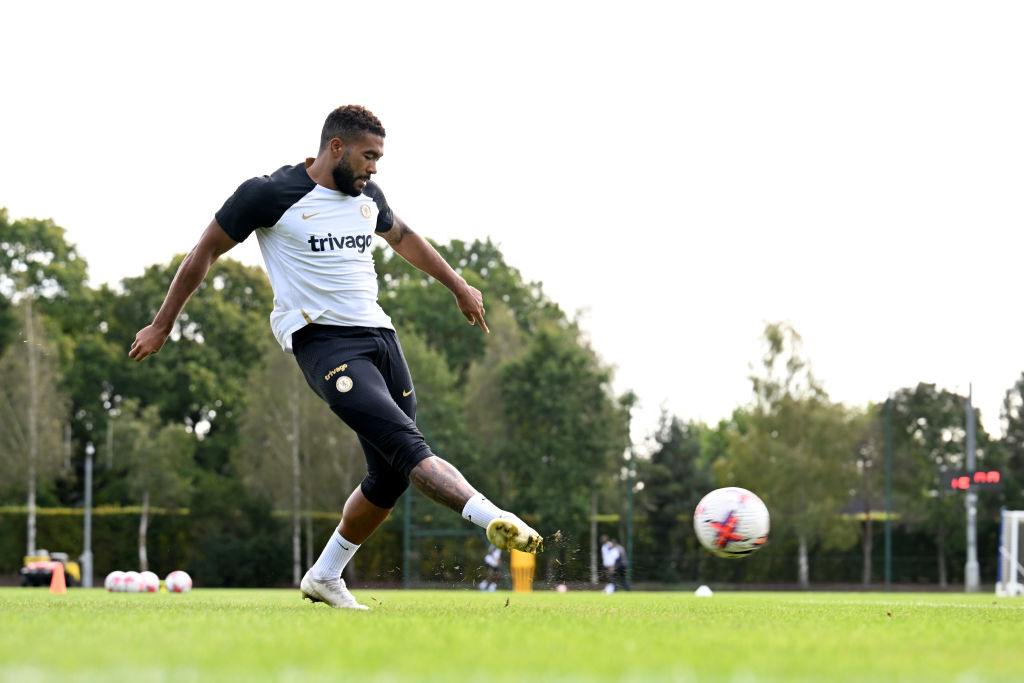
{"points": [[1010, 577]]}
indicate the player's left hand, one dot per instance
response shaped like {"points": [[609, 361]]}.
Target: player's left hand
{"points": [[471, 303]]}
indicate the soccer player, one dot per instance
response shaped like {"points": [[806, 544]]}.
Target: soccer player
{"points": [[610, 555], [493, 561], [315, 223]]}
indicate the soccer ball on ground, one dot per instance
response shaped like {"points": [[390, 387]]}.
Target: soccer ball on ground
{"points": [[148, 582], [130, 582], [731, 522], [113, 582], [178, 582]]}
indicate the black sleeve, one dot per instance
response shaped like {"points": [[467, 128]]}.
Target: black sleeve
{"points": [[385, 218], [251, 206]]}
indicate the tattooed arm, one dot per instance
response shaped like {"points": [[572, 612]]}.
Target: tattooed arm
{"points": [[420, 253]]}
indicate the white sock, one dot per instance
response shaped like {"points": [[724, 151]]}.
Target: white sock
{"points": [[333, 559], [481, 511]]}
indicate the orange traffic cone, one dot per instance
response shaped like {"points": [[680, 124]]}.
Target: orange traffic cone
{"points": [[57, 584]]}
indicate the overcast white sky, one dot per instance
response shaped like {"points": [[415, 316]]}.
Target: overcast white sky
{"points": [[679, 173]]}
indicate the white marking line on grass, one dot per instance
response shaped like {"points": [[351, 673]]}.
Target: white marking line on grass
{"points": [[897, 603]]}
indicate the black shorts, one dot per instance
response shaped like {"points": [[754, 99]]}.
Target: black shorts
{"points": [[362, 375]]}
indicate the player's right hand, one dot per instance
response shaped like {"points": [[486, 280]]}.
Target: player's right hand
{"points": [[148, 341]]}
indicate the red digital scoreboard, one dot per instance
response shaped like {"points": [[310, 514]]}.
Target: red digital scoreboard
{"points": [[982, 480]]}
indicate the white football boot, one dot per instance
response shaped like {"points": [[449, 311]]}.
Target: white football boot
{"points": [[508, 532], [330, 591]]}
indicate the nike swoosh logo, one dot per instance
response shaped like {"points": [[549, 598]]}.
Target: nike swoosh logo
{"points": [[406, 393], [306, 217]]}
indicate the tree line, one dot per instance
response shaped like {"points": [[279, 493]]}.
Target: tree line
{"points": [[232, 467]]}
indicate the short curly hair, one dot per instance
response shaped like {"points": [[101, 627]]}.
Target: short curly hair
{"points": [[349, 121]]}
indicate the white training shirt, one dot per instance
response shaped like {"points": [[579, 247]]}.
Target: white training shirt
{"points": [[316, 245], [610, 554]]}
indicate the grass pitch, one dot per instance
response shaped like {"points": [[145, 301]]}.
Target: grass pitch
{"points": [[465, 635]]}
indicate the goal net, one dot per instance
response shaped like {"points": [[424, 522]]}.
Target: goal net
{"points": [[1010, 577]]}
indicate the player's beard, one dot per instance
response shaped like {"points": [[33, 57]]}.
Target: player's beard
{"points": [[344, 177]]}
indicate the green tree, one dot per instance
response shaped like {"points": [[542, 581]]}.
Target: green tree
{"points": [[868, 492], [415, 301], [8, 321], [489, 432], [89, 383], [1013, 443], [293, 451], [33, 412], [794, 449], [674, 477], [929, 439], [568, 433], [235, 539], [42, 290], [199, 377], [156, 461], [504, 283], [37, 262]]}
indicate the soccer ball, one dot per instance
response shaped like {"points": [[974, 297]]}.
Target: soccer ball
{"points": [[731, 522], [178, 582], [131, 582], [113, 581], [148, 582]]}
